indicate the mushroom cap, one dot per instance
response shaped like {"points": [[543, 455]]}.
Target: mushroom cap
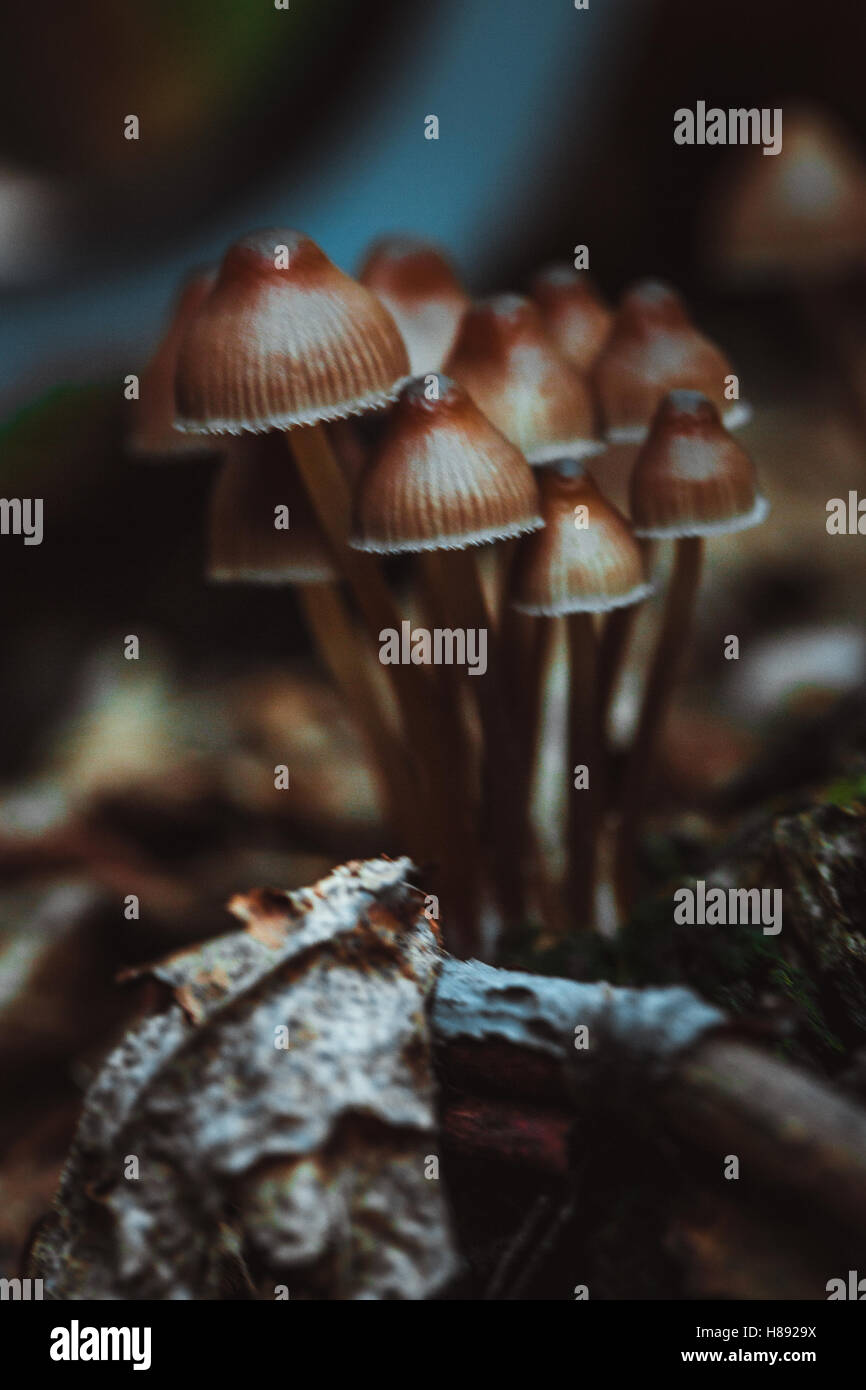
{"points": [[274, 348], [153, 433], [800, 215], [654, 348], [573, 312], [244, 545], [444, 478], [513, 370], [691, 478], [570, 568], [419, 287]]}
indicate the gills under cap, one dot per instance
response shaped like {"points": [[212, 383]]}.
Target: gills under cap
{"points": [[245, 544], [444, 478], [655, 348], [586, 560], [573, 313], [285, 339], [153, 433], [691, 478], [512, 368], [419, 287]]}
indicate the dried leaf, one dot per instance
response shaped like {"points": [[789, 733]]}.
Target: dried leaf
{"points": [[261, 1166]]}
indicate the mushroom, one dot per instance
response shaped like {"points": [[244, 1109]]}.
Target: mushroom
{"points": [[284, 340], [691, 480], [245, 545], [798, 221], [287, 341], [445, 479], [654, 348], [585, 561], [418, 285], [573, 313], [257, 487], [513, 370], [153, 433], [797, 218]]}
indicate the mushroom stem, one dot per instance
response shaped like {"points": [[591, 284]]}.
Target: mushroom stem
{"points": [[611, 654], [531, 641], [347, 659], [538, 658], [585, 749], [615, 638], [661, 679], [500, 771], [426, 734], [461, 740]]}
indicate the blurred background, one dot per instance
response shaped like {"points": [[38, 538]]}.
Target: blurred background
{"points": [[556, 128], [554, 131]]}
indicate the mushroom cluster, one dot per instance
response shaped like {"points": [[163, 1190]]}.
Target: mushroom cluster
{"points": [[475, 472]]}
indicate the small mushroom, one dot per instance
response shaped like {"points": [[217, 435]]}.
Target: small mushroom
{"points": [[443, 479], [585, 561], [419, 286], [654, 348], [513, 370], [574, 314], [153, 433], [691, 480]]}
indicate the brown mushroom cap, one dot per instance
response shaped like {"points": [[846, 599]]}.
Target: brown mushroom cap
{"points": [[654, 348], [420, 289], [800, 215], [571, 568], [573, 313], [444, 478], [513, 370], [153, 433], [691, 478], [244, 545], [274, 348]]}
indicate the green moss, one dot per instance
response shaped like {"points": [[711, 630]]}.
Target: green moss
{"points": [[846, 791], [734, 966]]}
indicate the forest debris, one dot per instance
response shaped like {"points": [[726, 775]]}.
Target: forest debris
{"points": [[628, 1034], [805, 985], [211, 1164], [256, 1165], [661, 1056]]}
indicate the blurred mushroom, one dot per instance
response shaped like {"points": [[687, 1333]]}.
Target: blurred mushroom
{"points": [[654, 348], [153, 432], [263, 530], [691, 480], [573, 313], [286, 341], [420, 288], [798, 222], [798, 217], [511, 367]]}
